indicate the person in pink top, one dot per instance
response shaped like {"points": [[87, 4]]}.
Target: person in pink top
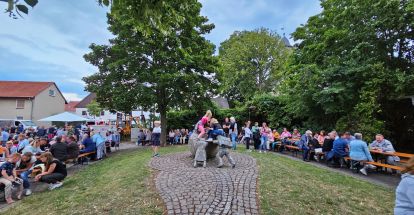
{"points": [[321, 137], [285, 134], [204, 120]]}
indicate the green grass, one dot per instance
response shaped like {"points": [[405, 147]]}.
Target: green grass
{"points": [[120, 184], [288, 186]]}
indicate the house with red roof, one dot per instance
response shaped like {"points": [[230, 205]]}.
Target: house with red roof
{"points": [[26, 100]]}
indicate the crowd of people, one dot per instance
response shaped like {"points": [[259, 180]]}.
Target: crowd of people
{"points": [[42, 154], [332, 147]]}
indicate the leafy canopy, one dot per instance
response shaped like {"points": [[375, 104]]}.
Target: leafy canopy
{"points": [[158, 71], [252, 62]]}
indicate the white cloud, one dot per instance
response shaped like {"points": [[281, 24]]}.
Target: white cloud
{"points": [[72, 96]]}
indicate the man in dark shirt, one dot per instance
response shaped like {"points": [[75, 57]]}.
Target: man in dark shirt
{"points": [[59, 150], [41, 132], [73, 148], [226, 126], [328, 143]]}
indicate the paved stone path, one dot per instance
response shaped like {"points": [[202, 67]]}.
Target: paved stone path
{"points": [[188, 190]]}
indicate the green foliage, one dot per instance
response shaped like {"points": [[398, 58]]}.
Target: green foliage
{"points": [[94, 109], [352, 58], [252, 62], [157, 72], [15, 7]]}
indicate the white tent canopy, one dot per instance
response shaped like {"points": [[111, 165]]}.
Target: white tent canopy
{"points": [[64, 117]]}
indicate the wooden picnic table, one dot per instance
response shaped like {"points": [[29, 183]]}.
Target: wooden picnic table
{"points": [[399, 154]]}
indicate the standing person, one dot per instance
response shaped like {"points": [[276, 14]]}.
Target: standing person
{"points": [[8, 177], [156, 135], [55, 171], [256, 135], [171, 136], [226, 127], [204, 120], [247, 135], [4, 137], [148, 136], [100, 145], [404, 201], [233, 132], [264, 133]]}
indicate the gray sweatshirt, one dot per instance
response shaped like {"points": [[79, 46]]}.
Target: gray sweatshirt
{"points": [[404, 202]]}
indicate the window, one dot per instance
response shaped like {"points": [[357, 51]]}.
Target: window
{"points": [[51, 93], [102, 113], [19, 118], [19, 104], [84, 113]]}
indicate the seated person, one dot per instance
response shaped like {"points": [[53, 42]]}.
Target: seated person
{"points": [[384, 145], [304, 144], [339, 149], [8, 177], [87, 144], [358, 151], [296, 137], [44, 144], [55, 171], [72, 148], [59, 150], [349, 137], [33, 147], [4, 153], [23, 169], [276, 137], [215, 130]]}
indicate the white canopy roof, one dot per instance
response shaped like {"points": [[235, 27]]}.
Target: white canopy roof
{"points": [[64, 117]]}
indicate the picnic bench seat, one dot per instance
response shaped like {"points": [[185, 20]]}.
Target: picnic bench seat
{"points": [[387, 166], [81, 157], [294, 149]]}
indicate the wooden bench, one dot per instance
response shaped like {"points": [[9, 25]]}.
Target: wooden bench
{"points": [[80, 157], [294, 149], [387, 166]]}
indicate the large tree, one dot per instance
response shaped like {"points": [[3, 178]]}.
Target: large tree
{"points": [[157, 71], [147, 14], [252, 62], [352, 59]]}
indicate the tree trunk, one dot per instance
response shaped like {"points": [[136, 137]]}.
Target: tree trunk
{"points": [[163, 114]]}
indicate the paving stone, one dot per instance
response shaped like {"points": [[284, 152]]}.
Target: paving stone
{"points": [[188, 190]]}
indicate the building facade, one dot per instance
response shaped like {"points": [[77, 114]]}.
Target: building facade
{"points": [[30, 100]]}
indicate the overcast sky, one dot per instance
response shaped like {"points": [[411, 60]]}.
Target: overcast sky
{"points": [[48, 45]]}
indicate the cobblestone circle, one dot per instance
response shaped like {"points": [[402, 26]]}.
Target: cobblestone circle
{"points": [[210, 190]]}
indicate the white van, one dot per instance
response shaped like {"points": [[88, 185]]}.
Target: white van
{"points": [[16, 122]]}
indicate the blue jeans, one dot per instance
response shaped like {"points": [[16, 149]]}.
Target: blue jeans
{"points": [[100, 150], [274, 145], [305, 153], [214, 133], [263, 140], [25, 177], [233, 140]]}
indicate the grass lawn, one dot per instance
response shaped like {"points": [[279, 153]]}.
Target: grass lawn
{"points": [[117, 185], [122, 184], [287, 186]]}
